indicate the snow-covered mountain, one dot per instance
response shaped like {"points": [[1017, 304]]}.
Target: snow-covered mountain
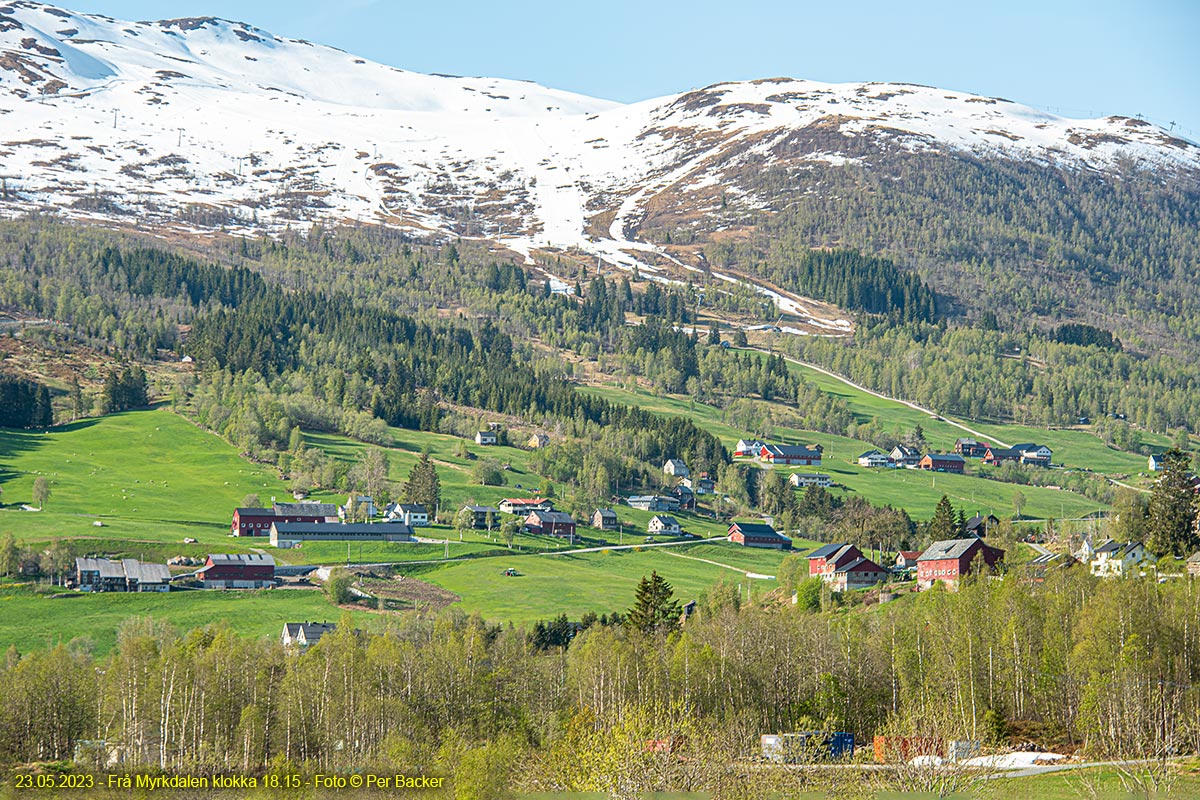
{"points": [[208, 123]]}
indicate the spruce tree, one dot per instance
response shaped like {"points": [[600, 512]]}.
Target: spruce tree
{"points": [[1171, 529], [654, 609], [423, 485], [943, 525]]}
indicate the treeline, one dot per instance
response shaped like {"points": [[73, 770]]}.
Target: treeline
{"points": [[850, 280], [24, 404], [1112, 665], [1018, 377]]}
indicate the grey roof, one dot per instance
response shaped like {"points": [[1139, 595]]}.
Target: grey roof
{"points": [[945, 457], [559, 517], [906, 451], [872, 453], [256, 512], [313, 631], [483, 509], [605, 512], [145, 573], [412, 508], [306, 509], [242, 559], [948, 548], [106, 568], [665, 520], [1195, 559], [825, 551]]}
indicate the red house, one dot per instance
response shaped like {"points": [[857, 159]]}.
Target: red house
{"points": [[942, 462], [823, 558], [949, 560], [238, 571], [551, 523]]}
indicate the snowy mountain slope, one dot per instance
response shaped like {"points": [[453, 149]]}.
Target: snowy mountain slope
{"points": [[215, 124]]}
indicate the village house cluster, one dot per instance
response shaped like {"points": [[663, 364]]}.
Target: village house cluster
{"points": [[903, 456]]}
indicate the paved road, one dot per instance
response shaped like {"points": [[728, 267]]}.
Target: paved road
{"points": [[513, 554], [1041, 551], [752, 575]]}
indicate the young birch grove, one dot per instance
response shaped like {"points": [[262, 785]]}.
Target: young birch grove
{"points": [[1112, 667]]}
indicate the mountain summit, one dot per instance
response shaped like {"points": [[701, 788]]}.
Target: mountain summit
{"points": [[209, 123]]}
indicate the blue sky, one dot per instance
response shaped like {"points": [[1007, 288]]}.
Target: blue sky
{"points": [[1075, 58]]}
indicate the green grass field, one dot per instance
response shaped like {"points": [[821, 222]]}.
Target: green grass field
{"points": [[30, 619], [915, 491], [573, 584], [1077, 448]]}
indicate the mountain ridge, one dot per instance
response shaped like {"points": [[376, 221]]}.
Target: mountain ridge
{"points": [[208, 124]]}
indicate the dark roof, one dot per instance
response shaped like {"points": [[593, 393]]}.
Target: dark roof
{"points": [[605, 512], [857, 563], [247, 559], [792, 451], [1117, 548], [256, 512], [872, 453], [757, 529], [333, 528], [664, 519], [945, 457], [412, 508], [948, 548], [826, 551], [906, 451]]}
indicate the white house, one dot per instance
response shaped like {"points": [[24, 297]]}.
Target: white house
{"points": [[805, 479], [905, 456], [1118, 558], [663, 524], [485, 437], [414, 515], [1156, 462], [700, 485], [748, 447], [676, 467], [874, 459]]}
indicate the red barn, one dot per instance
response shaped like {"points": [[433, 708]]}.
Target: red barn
{"points": [[949, 560], [238, 571], [942, 462], [551, 523], [758, 534], [787, 454], [257, 521]]}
